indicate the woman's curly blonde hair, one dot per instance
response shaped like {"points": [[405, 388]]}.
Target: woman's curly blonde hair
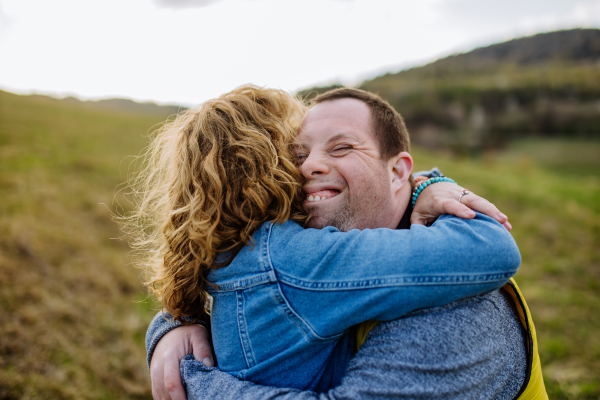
{"points": [[210, 178]]}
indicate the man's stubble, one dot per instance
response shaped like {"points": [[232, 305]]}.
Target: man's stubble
{"points": [[363, 207]]}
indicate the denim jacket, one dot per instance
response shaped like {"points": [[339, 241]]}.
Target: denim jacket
{"points": [[283, 305]]}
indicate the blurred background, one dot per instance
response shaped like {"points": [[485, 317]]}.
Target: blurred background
{"points": [[503, 97]]}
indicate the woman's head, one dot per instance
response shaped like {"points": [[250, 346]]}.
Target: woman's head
{"points": [[211, 178]]}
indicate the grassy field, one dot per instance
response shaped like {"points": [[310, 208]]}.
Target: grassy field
{"points": [[71, 326], [551, 192], [74, 315]]}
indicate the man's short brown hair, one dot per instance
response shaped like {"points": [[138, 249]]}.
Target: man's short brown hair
{"points": [[388, 125]]}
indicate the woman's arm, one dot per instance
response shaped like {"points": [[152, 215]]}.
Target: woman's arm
{"points": [[382, 274]]}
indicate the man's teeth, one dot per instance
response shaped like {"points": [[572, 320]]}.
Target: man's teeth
{"points": [[316, 198]]}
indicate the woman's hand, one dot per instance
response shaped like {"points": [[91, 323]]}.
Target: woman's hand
{"points": [[442, 198], [171, 348]]}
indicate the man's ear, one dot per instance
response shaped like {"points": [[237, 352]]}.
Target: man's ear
{"points": [[400, 166]]}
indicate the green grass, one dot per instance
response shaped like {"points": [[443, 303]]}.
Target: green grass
{"points": [[71, 327], [565, 157], [73, 317], [556, 219]]}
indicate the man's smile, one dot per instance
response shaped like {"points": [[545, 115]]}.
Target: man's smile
{"points": [[321, 195]]}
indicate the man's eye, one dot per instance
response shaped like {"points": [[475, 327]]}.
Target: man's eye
{"points": [[341, 149]]}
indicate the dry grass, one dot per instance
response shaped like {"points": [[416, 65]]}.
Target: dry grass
{"points": [[71, 326]]}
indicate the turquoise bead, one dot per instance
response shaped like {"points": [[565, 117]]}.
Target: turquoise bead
{"points": [[426, 183]]}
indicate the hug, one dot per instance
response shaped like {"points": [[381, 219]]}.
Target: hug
{"points": [[297, 244]]}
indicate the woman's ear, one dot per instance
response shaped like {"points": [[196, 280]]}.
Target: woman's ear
{"points": [[400, 166]]}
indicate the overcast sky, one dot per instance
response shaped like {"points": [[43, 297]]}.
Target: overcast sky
{"points": [[186, 51]]}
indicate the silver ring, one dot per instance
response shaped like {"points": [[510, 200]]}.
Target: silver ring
{"points": [[464, 193]]}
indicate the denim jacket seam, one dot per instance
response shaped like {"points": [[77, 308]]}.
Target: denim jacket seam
{"points": [[289, 310], [417, 280], [265, 262], [312, 333], [257, 280], [243, 331]]}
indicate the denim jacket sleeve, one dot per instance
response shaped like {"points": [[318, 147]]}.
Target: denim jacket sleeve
{"points": [[335, 280]]}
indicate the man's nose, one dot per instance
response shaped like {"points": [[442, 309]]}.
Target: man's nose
{"points": [[313, 166]]}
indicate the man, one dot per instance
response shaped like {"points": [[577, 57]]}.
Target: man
{"points": [[353, 144]]}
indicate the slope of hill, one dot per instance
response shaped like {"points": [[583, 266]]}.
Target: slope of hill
{"points": [[577, 45], [117, 105]]}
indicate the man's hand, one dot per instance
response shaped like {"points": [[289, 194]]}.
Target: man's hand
{"points": [[171, 348], [442, 198]]}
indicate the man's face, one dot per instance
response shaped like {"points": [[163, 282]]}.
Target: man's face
{"points": [[347, 184]]}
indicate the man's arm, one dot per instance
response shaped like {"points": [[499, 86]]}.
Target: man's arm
{"points": [[382, 274], [170, 346]]}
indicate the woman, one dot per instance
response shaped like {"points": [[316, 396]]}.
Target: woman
{"points": [[224, 201]]}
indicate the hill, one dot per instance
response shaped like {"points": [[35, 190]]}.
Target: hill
{"points": [[577, 45], [543, 85], [117, 105]]}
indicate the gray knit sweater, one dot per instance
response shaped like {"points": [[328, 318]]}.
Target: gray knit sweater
{"points": [[470, 349]]}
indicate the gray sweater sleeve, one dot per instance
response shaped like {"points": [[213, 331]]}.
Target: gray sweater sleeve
{"points": [[203, 383], [161, 324], [470, 349]]}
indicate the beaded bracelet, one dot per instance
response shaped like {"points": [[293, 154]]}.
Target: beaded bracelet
{"points": [[426, 183]]}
